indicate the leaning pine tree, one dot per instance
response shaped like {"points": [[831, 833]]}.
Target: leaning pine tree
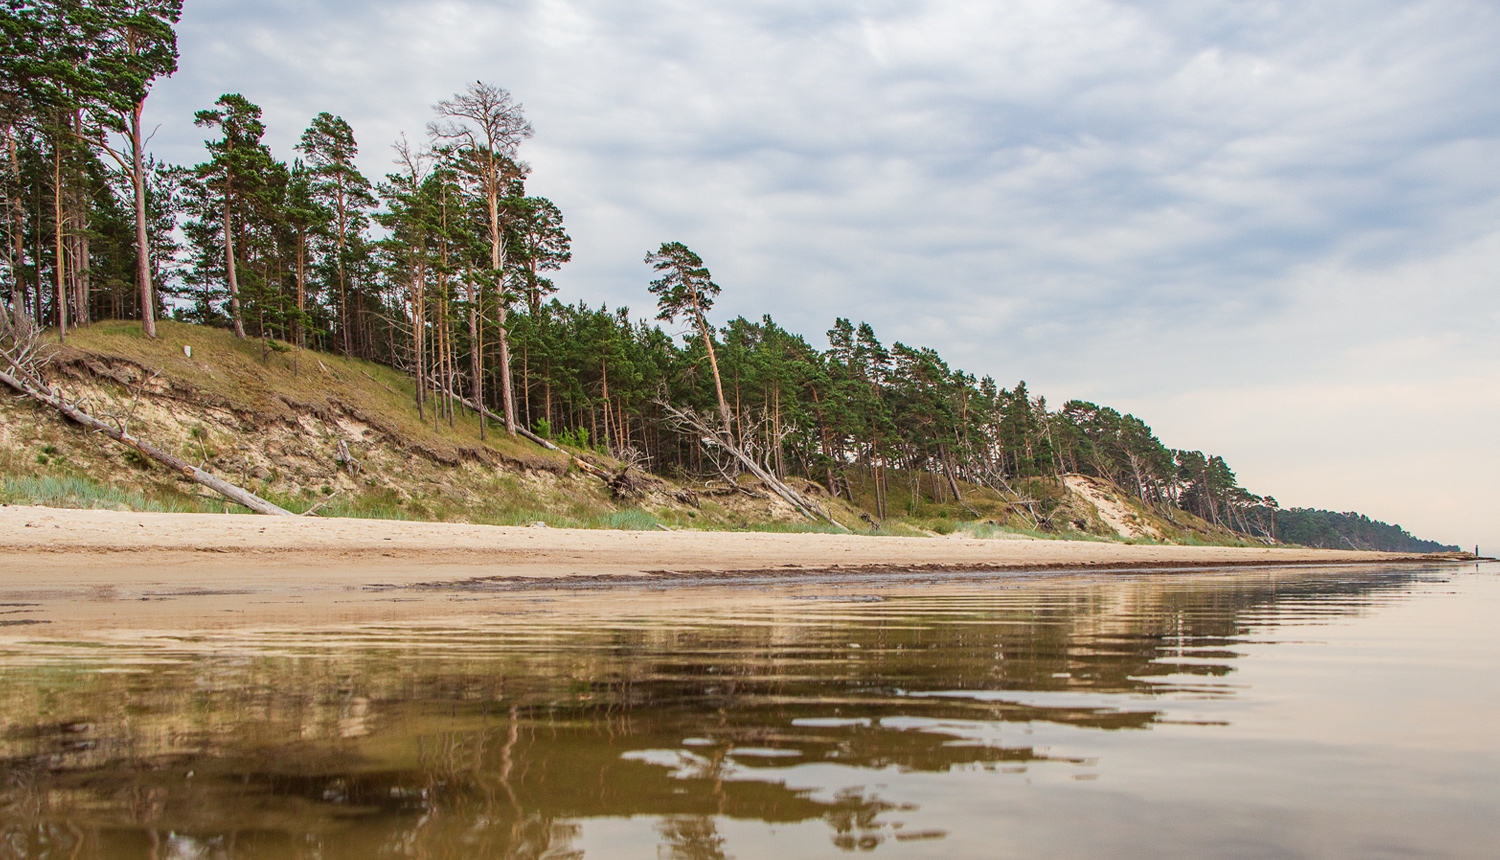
{"points": [[686, 288]]}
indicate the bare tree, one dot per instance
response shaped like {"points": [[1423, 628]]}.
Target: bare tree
{"points": [[687, 419], [485, 126], [21, 351]]}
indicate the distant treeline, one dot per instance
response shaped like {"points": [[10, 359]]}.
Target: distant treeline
{"points": [[442, 270], [1331, 530]]}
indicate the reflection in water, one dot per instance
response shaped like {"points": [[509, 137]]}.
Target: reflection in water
{"points": [[507, 738]]}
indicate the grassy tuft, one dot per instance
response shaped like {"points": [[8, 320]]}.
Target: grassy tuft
{"points": [[78, 492], [630, 519]]}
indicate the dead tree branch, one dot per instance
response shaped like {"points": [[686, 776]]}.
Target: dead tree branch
{"points": [[710, 436]]}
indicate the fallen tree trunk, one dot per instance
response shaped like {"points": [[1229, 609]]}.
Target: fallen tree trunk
{"points": [[238, 495], [790, 496]]}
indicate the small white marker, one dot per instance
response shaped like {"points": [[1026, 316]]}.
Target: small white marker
{"points": [[187, 350]]}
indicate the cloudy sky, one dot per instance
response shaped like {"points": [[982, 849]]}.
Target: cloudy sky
{"points": [[1270, 229]]}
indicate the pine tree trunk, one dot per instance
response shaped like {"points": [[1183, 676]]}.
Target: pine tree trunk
{"points": [[952, 479], [301, 285], [229, 266], [84, 282], [39, 250], [497, 263], [343, 291], [475, 354], [142, 239], [57, 235], [15, 247], [713, 363], [604, 394], [419, 340]]}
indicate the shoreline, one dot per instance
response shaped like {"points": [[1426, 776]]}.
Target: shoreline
{"points": [[64, 569]]}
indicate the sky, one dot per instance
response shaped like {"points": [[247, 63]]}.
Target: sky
{"points": [[1269, 229]]}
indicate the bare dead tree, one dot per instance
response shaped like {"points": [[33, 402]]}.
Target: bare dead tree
{"points": [[989, 475], [21, 345]]}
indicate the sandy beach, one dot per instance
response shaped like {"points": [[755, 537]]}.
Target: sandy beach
{"points": [[69, 568]]}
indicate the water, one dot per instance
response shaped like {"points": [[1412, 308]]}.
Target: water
{"points": [[1349, 713]]}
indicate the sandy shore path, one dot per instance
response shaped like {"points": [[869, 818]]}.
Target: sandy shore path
{"points": [[70, 567]]}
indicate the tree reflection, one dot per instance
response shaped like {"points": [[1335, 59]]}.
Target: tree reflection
{"points": [[507, 746], [691, 837]]}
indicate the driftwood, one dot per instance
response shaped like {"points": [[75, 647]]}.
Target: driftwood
{"points": [[631, 481], [801, 504], [313, 511], [238, 495]]}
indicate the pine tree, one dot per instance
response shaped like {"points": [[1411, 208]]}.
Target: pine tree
{"points": [[139, 46], [336, 186], [235, 171], [484, 126], [686, 288]]}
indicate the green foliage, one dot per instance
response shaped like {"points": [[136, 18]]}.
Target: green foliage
{"points": [[1331, 530], [577, 438]]}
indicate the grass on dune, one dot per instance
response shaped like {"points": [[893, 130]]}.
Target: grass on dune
{"points": [[69, 491]]}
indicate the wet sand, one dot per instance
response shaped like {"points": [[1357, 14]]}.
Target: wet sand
{"points": [[67, 570]]}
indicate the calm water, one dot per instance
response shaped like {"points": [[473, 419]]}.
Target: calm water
{"points": [[1250, 714]]}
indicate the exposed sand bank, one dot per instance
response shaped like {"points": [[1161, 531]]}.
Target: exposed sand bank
{"points": [[70, 568]]}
